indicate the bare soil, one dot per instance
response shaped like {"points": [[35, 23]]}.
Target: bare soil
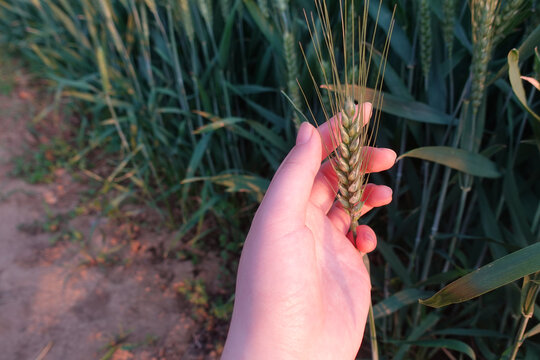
{"points": [[105, 294]]}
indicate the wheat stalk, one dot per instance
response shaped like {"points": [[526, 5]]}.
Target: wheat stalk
{"points": [[343, 89]]}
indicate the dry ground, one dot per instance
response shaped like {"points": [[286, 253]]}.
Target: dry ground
{"points": [[103, 291]]}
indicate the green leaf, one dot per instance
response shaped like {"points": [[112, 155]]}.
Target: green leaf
{"points": [[250, 89], [416, 332], [225, 43], [264, 26], [536, 62], [443, 343], [458, 159], [534, 331], [402, 107], [268, 135], [471, 333], [393, 260], [237, 183], [195, 160], [397, 301], [522, 234], [400, 42], [489, 277], [393, 80], [443, 278], [525, 49], [516, 82], [193, 220], [218, 123]]}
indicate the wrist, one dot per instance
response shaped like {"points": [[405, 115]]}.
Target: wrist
{"points": [[250, 341]]}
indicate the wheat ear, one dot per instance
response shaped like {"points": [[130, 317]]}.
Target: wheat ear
{"points": [[506, 16], [483, 13], [343, 90], [449, 9], [425, 39]]}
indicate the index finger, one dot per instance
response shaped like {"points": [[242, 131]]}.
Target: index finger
{"points": [[330, 134]]}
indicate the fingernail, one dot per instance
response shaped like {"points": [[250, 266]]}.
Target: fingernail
{"points": [[304, 133]]}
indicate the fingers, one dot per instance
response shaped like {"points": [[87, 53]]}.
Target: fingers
{"points": [[376, 195], [378, 159], [289, 191], [366, 240], [373, 196], [330, 135]]}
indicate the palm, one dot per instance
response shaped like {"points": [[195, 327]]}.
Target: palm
{"points": [[337, 313]]}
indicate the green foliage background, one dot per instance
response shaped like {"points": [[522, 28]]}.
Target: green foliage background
{"points": [[184, 99]]}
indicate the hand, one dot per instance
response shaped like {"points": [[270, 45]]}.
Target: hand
{"points": [[303, 291]]}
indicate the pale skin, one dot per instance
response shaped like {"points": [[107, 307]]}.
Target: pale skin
{"points": [[303, 291]]}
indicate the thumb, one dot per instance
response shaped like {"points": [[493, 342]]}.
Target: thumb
{"points": [[289, 191]]}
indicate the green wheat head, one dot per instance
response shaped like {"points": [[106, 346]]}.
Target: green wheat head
{"points": [[345, 80], [483, 14]]}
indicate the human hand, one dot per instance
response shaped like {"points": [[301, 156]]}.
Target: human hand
{"points": [[303, 291]]}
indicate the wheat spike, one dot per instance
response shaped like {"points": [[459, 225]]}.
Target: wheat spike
{"points": [[425, 39], [187, 23], [282, 5], [449, 9], [291, 61], [344, 88], [225, 7], [205, 8], [504, 19], [483, 14], [263, 7]]}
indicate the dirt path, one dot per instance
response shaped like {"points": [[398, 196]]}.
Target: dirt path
{"points": [[103, 296]]}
